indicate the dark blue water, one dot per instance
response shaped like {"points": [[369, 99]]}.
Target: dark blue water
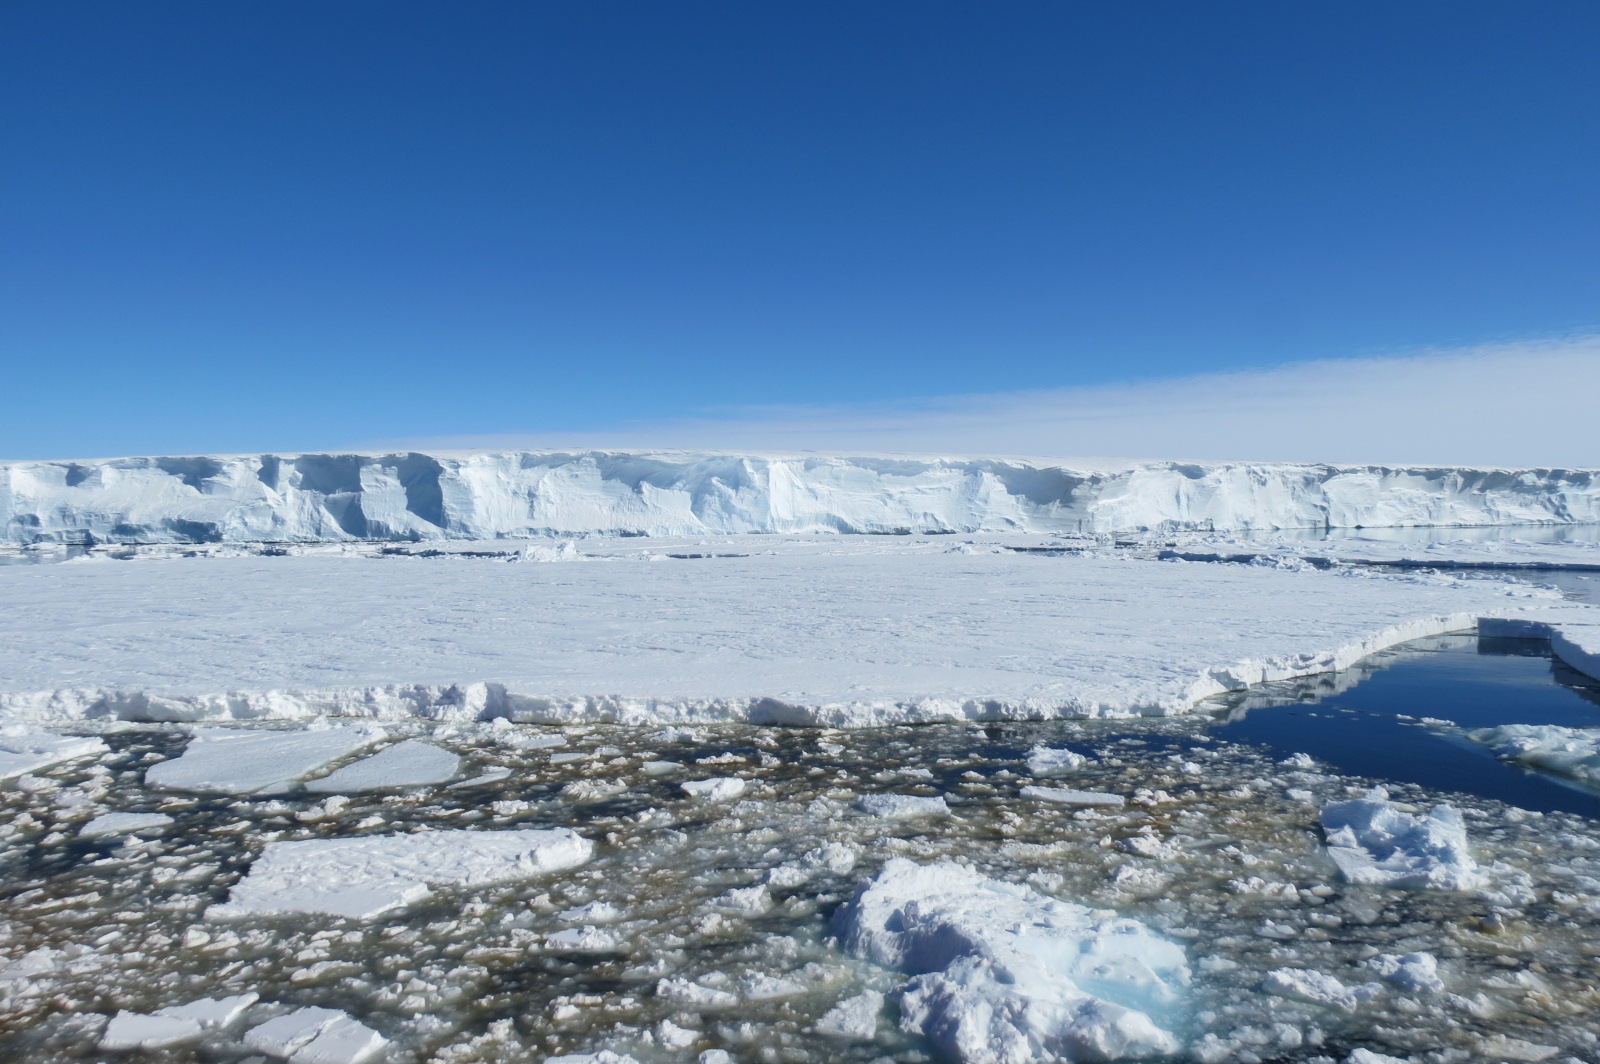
{"points": [[1471, 682]]}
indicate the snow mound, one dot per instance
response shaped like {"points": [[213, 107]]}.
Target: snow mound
{"points": [[509, 494], [1376, 844], [24, 749], [1003, 973], [1570, 752], [364, 877], [230, 761]]}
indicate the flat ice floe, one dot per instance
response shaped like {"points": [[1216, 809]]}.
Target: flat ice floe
{"points": [[910, 633], [1004, 974], [236, 761], [1573, 753], [24, 749], [411, 763], [364, 877], [1376, 844]]}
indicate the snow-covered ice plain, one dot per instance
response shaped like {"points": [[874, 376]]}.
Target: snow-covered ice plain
{"points": [[306, 758]]}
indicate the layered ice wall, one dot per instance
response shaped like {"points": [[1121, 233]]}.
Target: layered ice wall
{"points": [[521, 494]]}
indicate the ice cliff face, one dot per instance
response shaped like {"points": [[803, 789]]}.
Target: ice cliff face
{"points": [[414, 496]]}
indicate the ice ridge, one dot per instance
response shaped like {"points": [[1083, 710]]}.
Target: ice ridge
{"points": [[414, 496]]}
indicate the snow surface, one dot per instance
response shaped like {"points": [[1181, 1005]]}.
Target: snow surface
{"points": [[1004, 974], [1375, 843], [909, 632], [415, 496], [412, 763], [235, 761], [364, 877], [24, 749]]}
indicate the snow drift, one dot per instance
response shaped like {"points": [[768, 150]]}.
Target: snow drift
{"points": [[521, 494]]}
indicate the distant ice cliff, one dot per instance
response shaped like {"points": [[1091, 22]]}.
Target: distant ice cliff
{"points": [[521, 494]]}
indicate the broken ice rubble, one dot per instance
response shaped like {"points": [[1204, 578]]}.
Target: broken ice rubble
{"points": [[1376, 844], [1003, 973], [364, 877]]}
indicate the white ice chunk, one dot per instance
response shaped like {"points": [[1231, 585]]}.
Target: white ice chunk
{"points": [[256, 761], [281, 1036], [122, 824], [342, 1041], [363, 877], [1570, 752], [492, 776], [1005, 974], [1065, 796], [24, 749], [1417, 972], [1376, 844], [1367, 1056], [605, 1056], [212, 1013], [135, 1030], [1318, 988], [1042, 760], [855, 1017], [412, 763], [899, 806], [694, 995], [723, 789], [586, 939]]}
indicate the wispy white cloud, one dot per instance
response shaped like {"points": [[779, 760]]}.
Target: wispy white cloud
{"points": [[1534, 403]]}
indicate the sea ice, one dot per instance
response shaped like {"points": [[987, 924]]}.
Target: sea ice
{"points": [[1318, 988], [1416, 972], [855, 1018], [363, 877], [122, 824], [724, 789], [412, 763], [900, 806], [316, 1035], [1570, 752], [25, 749], [256, 761], [1004, 974], [1376, 844], [135, 1030], [1042, 760], [1064, 796]]}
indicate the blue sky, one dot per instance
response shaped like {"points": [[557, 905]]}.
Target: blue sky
{"points": [[297, 225]]}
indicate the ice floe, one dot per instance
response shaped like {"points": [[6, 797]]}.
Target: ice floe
{"points": [[1573, 753], [412, 763], [256, 761], [1376, 844], [1003, 973], [723, 789], [316, 1035], [24, 749], [365, 877], [897, 806], [123, 824], [1068, 796]]}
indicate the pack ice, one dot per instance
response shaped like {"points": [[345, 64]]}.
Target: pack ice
{"points": [[24, 749], [364, 877], [1004, 975], [510, 494], [237, 761]]}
